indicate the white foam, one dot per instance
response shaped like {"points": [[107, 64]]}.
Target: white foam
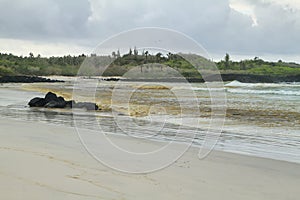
{"points": [[253, 91], [261, 85]]}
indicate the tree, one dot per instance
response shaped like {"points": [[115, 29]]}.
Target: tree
{"points": [[130, 52], [114, 55], [227, 60], [31, 55], [158, 55], [169, 55], [146, 54], [135, 51], [243, 65]]}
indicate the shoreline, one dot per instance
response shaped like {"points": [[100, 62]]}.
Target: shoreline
{"points": [[239, 124], [54, 164], [27, 79], [194, 146], [244, 78]]}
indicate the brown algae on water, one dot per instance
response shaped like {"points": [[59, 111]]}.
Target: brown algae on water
{"points": [[155, 99]]}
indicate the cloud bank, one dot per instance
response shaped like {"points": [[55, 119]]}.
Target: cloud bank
{"points": [[246, 27]]}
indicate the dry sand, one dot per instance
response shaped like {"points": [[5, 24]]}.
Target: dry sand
{"points": [[41, 161]]}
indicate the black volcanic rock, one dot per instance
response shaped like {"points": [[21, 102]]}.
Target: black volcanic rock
{"points": [[86, 105], [50, 96], [245, 78], [37, 102], [251, 78], [26, 79], [52, 101], [56, 104], [69, 104]]}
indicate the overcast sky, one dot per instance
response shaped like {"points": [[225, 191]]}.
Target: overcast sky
{"points": [[269, 29]]}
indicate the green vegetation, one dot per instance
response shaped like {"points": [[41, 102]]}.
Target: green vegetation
{"points": [[118, 65], [258, 66], [31, 65]]}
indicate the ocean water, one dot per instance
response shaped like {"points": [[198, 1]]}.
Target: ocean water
{"points": [[262, 119]]}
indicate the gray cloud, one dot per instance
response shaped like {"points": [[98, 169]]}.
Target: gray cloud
{"points": [[278, 30], [212, 23], [47, 19]]}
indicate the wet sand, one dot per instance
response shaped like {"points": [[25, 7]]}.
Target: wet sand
{"points": [[41, 161]]}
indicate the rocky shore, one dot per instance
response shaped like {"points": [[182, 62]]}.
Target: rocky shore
{"points": [[244, 78], [26, 79], [250, 78]]}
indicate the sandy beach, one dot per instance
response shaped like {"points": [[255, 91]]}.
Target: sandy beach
{"points": [[42, 161], [150, 100]]}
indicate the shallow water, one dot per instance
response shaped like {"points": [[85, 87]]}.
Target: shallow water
{"points": [[267, 125]]}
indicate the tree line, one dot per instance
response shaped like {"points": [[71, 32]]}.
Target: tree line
{"points": [[69, 65]]}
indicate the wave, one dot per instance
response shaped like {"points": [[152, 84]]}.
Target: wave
{"points": [[199, 88], [236, 84], [253, 91], [207, 89]]}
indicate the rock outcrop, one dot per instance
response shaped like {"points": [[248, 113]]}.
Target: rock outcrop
{"points": [[51, 100], [26, 79]]}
